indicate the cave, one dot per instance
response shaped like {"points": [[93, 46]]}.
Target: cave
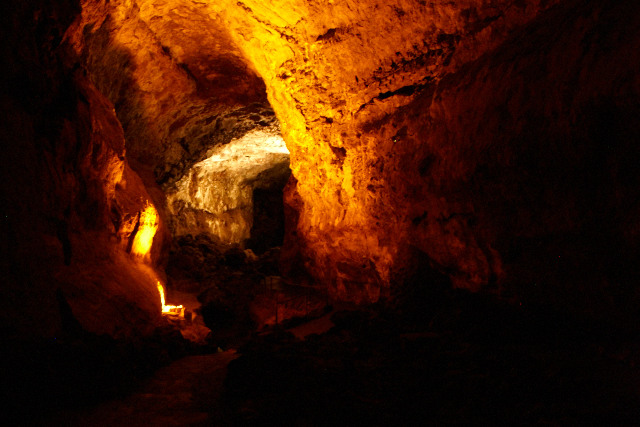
{"points": [[318, 213]]}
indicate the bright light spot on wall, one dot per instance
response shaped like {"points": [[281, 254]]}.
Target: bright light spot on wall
{"points": [[147, 227], [169, 310]]}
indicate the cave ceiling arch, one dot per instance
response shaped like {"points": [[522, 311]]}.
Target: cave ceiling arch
{"points": [[183, 92]]}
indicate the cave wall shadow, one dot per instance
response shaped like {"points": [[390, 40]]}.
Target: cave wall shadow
{"points": [[267, 230]]}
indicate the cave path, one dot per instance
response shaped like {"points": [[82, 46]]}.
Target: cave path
{"points": [[187, 392]]}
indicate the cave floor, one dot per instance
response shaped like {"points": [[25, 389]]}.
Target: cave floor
{"points": [[463, 359], [187, 392]]}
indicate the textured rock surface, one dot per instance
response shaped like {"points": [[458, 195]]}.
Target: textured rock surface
{"points": [[490, 140], [332, 71], [216, 195], [69, 200], [470, 131], [175, 77], [180, 88]]}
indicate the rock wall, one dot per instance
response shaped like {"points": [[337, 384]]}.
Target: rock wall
{"points": [[518, 171], [70, 202], [471, 131], [181, 90], [491, 140]]}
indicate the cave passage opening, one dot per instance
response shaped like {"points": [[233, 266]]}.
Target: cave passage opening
{"points": [[235, 194], [199, 129], [225, 216], [202, 146]]}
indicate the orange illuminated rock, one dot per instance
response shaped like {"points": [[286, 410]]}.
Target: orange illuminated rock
{"points": [[334, 73], [175, 76], [146, 230], [169, 310], [182, 89], [397, 116], [67, 191], [414, 126], [69, 219]]}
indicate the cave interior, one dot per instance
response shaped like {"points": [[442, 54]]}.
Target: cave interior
{"points": [[300, 212]]}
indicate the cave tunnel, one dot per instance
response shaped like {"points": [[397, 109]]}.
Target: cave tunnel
{"points": [[320, 213]]}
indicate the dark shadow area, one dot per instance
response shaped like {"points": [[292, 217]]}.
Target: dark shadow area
{"points": [[268, 220], [470, 359], [239, 294], [76, 369]]}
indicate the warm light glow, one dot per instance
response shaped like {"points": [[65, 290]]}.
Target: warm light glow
{"points": [[148, 225], [216, 194], [169, 310]]}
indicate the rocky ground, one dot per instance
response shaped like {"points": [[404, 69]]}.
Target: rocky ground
{"points": [[185, 393], [238, 292], [467, 360], [434, 356]]}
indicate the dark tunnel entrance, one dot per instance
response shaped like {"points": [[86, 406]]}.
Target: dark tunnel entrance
{"points": [[267, 230]]}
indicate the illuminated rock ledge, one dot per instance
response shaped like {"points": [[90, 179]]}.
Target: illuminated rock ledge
{"points": [[216, 195]]}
